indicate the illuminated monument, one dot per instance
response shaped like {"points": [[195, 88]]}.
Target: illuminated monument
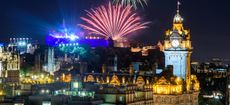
{"points": [[177, 48], [177, 86]]}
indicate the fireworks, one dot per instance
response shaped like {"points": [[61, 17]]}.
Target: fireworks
{"points": [[134, 3], [113, 21]]}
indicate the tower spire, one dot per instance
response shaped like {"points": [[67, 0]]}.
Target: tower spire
{"points": [[177, 17], [178, 7]]}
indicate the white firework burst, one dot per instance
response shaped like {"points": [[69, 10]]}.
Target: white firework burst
{"points": [[134, 3]]}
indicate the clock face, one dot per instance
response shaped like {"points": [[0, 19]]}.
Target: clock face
{"points": [[175, 43]]}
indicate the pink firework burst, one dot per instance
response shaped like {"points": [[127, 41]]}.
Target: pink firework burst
{"points": [[113, 21]]}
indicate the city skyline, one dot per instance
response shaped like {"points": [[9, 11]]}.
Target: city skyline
{"points": [[114, 52], [207, 22]]}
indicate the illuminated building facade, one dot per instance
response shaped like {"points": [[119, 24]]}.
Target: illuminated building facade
{"points": [[121, 89], [23, 45], [172, 91], [9, 62]]}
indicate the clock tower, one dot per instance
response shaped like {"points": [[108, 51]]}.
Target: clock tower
{"points": [[177, 48], [181, 88]]}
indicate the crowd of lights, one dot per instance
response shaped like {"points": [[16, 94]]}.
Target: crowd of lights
{"points": [[113, 21]]}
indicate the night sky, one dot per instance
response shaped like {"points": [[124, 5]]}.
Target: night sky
{"points": [[208, 20]]}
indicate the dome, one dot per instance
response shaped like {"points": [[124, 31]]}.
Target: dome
{"points": [[177, 18]]}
